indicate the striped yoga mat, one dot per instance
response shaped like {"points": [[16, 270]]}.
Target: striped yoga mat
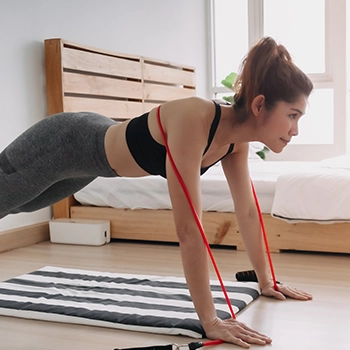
{"points": [[131, 302]]}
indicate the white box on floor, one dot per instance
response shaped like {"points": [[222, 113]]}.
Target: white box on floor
{"points": [[80, 231]]}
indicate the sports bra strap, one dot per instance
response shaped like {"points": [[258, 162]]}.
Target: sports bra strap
{"points": [[214, 126]]}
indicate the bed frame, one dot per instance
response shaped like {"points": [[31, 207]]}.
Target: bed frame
{"points": [[120, 86]]}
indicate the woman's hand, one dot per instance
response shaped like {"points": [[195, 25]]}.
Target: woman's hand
{"points": [[232, 331], [283, 292]]}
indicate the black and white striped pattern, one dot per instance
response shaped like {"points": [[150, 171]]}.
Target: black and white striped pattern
{"points": [[131, 302]]}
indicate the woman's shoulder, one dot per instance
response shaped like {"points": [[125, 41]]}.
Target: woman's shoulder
{"points": [[193, 105], [195, 101], [199, 102]]}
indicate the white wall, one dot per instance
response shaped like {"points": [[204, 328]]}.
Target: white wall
{"points": [[173, 30]]}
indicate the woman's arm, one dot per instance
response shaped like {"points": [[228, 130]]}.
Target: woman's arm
{"points": [[236, 171], [186, 143], [187, 137]]}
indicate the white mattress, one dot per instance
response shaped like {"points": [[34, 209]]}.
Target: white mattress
{"points": [[151, 192], [320, 194]]}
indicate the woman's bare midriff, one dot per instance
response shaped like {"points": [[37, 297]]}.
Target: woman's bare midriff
{"points": [[118, 154]]}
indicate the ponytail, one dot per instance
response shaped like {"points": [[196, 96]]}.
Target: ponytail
{"points": [[268, 70]]}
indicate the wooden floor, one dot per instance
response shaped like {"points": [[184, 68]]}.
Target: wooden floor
{"points": [[323, 323]]}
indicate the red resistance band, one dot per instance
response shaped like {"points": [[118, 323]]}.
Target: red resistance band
{"points": [[200, 227]]}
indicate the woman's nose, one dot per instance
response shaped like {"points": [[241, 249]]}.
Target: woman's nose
{"points": [[294, 131]]}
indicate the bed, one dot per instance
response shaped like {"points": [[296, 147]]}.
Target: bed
{"points": [[122, 86]]}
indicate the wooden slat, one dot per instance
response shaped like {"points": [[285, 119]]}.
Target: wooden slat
{"points": [[102, 64], [307, 236], [221, 228], [168, 75], [155, 92], [109, 108], [54, 84], [101, 86], [87, 48], [160, 62], [147, 106], [61, 209], [124, 225]]}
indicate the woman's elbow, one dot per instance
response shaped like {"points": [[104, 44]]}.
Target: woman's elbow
{"points": [[187, 234]]}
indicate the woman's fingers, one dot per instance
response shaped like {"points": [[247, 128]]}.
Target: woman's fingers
{"points": [[285, 291], [250, 335], [235, 332], [294, 293]]}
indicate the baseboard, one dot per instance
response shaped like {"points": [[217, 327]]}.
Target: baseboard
{"points": [[24, 236]]}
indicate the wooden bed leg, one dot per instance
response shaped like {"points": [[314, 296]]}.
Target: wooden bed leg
{"points": [[61, 209]]}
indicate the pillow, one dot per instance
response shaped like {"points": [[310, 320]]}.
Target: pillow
{"points": [[340, 162]]}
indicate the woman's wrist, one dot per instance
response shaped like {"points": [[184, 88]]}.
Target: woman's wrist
{"points": [[210, 323], [265, 283], [264, 279]]}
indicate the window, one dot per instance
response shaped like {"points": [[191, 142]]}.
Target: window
{"points": [[292, 32], [223, 16], [313, 31]]}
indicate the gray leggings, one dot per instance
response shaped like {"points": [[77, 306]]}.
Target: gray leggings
{"points": [[51, 160]]}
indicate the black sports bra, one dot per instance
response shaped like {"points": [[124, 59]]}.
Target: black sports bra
{"points": [[149, 154]]}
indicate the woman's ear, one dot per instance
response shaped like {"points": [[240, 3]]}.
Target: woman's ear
{"points": [[257, 104]]}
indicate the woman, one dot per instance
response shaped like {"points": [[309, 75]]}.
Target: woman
{"points": [[63, 153]]}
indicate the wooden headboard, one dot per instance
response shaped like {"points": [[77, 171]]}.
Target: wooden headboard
{"points": [[119, 86]]}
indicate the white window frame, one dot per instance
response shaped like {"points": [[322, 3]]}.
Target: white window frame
{"points": [[334, 76]]}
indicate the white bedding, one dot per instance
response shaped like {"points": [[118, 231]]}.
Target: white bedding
{"points": [[151, 192], [320, 194]]}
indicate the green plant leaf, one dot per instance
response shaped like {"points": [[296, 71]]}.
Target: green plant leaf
{"points": [[230, 80], [261, 154]]}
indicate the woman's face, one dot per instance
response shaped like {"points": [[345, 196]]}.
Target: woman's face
{"points": [[281, 124]]}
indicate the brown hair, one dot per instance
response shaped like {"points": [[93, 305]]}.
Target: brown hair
{"points": [[268, 70]]}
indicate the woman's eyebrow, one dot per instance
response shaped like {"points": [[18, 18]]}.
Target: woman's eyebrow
{"points": [[298, 110]]}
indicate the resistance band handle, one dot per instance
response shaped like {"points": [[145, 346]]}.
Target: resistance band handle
{"points": [[248, 276], [200, 344], [195, 345], [156, 347]]}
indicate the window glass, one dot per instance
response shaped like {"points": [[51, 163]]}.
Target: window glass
{"points": [[230, 36], [224, 96], [317, 126], [300, 26]]}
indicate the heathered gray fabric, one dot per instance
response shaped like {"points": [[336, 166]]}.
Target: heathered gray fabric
{"points": [[51, 160]]}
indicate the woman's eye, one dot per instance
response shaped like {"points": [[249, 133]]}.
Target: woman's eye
{"points": [[293, 116]]}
